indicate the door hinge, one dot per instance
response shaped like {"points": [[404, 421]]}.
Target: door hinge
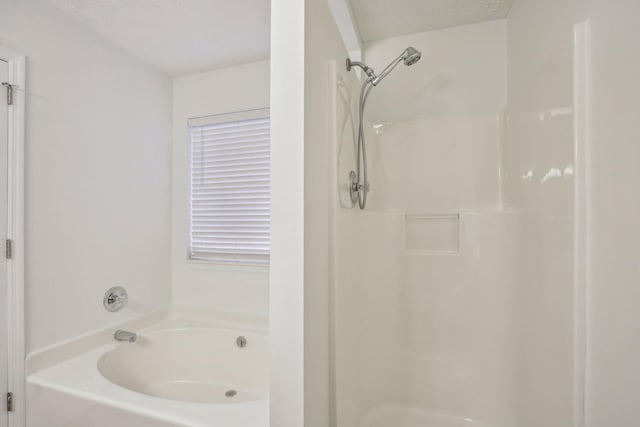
{"points": [[9, 402], [9, 87], [8, 249]]}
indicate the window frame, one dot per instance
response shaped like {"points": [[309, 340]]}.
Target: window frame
{"points": [[223, 261]]}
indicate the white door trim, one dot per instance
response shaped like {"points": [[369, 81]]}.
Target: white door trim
{"points": [[15, 266]]}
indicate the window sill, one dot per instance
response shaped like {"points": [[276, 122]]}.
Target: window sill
{"points": [[204, 265]]}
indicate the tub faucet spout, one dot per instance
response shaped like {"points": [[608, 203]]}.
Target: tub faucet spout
{"points": [[122, 335]]}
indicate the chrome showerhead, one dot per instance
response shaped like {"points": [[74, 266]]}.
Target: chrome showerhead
{"points": [[411, 56]]}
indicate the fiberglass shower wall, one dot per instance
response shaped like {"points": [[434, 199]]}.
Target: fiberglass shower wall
{"points": [[431, 261], [429, 280]]}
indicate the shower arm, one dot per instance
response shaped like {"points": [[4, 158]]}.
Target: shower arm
{"points": [[368, 70], [371, 75], [389, 68]]}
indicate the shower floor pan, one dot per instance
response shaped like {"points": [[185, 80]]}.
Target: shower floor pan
{"points": [[412, 416]]}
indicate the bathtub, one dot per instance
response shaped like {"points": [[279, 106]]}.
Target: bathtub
{"points": [[186, 368]]}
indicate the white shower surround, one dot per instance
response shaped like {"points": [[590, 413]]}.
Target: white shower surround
{"points": [[484, 335]]}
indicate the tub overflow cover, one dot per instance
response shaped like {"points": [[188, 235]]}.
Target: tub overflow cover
{"points": [[241, 342]]}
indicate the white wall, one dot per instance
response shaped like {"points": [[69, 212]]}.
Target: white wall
{"points": [[305, 46], [218, 287], [97, 175], [287, 286], [614, 208]]}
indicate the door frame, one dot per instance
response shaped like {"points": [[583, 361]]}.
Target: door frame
{"points": [[15, 232]]}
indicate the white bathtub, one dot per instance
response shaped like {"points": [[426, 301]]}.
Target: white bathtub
{"points": [[185, 369]]}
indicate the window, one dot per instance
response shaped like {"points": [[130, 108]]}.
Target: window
{"points": [[230, 188]]}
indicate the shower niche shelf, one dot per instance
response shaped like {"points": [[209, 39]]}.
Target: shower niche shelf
{"points": [[432, 234]]}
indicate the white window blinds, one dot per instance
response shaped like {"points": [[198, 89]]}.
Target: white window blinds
{"points": [[230, 188]]}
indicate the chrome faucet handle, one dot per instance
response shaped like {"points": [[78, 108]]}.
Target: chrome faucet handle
{"points": [[115, 298]]}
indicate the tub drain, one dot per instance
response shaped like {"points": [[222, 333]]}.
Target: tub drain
{"points": [[230, 393]]}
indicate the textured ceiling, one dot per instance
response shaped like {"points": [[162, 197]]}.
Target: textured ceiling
{"points": [[379, 19], [180, 36], [187, 36]]}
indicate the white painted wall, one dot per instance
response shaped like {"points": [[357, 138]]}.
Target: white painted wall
{"points": [[287, 281], [306, 46], [219, 287], [613, 371], [97, 175]]}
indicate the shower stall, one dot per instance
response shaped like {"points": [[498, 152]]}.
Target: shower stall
{"points": [[453, 290]]}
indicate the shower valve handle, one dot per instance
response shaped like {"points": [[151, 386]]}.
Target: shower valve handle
{"points": [[115, 298], [357, 187], [356, 190]]}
